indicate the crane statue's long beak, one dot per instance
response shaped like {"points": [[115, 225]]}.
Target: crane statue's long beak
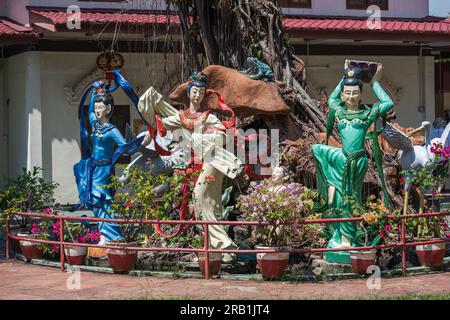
{"points": [[421, 128]]}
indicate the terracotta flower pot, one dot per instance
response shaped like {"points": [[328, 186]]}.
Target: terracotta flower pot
{"points": [[431, 255], [76, 256], [215, 262], [361, 260], [272, 265], [122, 260], [30, 250], [15, 244]]}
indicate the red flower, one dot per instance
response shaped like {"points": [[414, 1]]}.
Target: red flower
{"points": [[128, 204], [210, 179]]}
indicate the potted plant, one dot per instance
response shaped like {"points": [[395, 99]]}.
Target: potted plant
{"points": [[430, 178], [287, 204], [27, 193], [426, 229], [373, 230], [215, 259], [78, 233], [136, 199], [45, 229]]}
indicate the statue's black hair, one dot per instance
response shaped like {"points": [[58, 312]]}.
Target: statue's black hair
{"points": [[198, 79]]}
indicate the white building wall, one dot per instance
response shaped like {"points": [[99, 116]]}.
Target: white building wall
{"points": [[3, 124], [16, 10], [60, 134], [131, 4], [3, 8], [398, 9], [23, 112], [402, 72]]}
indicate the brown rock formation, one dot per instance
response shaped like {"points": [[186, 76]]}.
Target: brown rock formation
{"points": [[246, 96]]}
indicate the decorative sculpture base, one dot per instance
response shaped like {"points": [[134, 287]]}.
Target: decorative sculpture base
{"points": [[97, 252], [320, 267], [338, 257]]}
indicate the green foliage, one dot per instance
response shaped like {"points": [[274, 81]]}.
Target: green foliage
{"points": [[434, 173], [29, 192], [136, 198], [427, 228], [376, 228]]}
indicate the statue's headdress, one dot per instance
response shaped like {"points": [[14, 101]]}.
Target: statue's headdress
{"points": [[352, 77], [197, 79]]}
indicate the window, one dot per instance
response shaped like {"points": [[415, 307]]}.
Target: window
{"points": [[364, 4], [296, 4]]}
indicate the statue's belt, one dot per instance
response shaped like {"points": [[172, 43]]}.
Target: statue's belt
{"points": [[104, 162], [350, 171]]}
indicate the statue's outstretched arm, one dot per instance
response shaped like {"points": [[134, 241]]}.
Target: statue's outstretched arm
{"points": [[335, 97], [386, 102], [152, 103], [91, 114]]}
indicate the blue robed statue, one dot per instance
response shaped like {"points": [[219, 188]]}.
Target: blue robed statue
{"points": [[107, 145]]}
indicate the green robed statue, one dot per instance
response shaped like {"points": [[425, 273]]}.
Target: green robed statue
{"points": [[341, 171]]}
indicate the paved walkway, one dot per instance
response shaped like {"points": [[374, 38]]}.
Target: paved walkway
{"points": [[19, 280]]}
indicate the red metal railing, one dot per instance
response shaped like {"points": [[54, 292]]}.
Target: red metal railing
{"points": [[206, 250]]}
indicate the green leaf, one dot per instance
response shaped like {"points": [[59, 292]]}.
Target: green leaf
{"points": [[376, 240]]}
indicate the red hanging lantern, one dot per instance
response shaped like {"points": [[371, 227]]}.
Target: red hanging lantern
{"points": [[108, 62]]}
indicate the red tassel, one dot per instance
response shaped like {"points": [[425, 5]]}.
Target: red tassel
{"points": [[224, 107], [158, 148], [160, 126]]}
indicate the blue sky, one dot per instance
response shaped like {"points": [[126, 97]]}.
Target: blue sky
{"points": [[439, 8]]}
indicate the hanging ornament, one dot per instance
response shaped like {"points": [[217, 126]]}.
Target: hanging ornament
{"points": [[108, 62]]}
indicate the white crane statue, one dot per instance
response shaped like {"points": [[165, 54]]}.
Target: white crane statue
{"points": [[411, 157]]}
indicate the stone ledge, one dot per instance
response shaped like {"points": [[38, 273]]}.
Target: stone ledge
{"points": [[251, 277]]}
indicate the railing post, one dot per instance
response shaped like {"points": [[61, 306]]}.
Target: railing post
{"points": [[403, 241], [7, 237], [206, 248], [61, 239]]}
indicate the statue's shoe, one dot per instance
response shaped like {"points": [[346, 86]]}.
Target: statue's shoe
{"points": [[229, 258], [191, 257]]}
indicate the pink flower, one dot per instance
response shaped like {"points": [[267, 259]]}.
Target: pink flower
{"points": [[48, 211], [128, 204], [55, 248]]}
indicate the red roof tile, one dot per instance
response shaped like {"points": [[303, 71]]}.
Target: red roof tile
{"points": [[13, 33], [9, 29], [59, 18], [432, 25]]}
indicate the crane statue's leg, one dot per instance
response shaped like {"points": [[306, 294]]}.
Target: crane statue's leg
{"points": [[405, 204], [421, 200]]}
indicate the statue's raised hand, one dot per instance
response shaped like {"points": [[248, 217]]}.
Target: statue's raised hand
{"points": [[378, 75]]}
